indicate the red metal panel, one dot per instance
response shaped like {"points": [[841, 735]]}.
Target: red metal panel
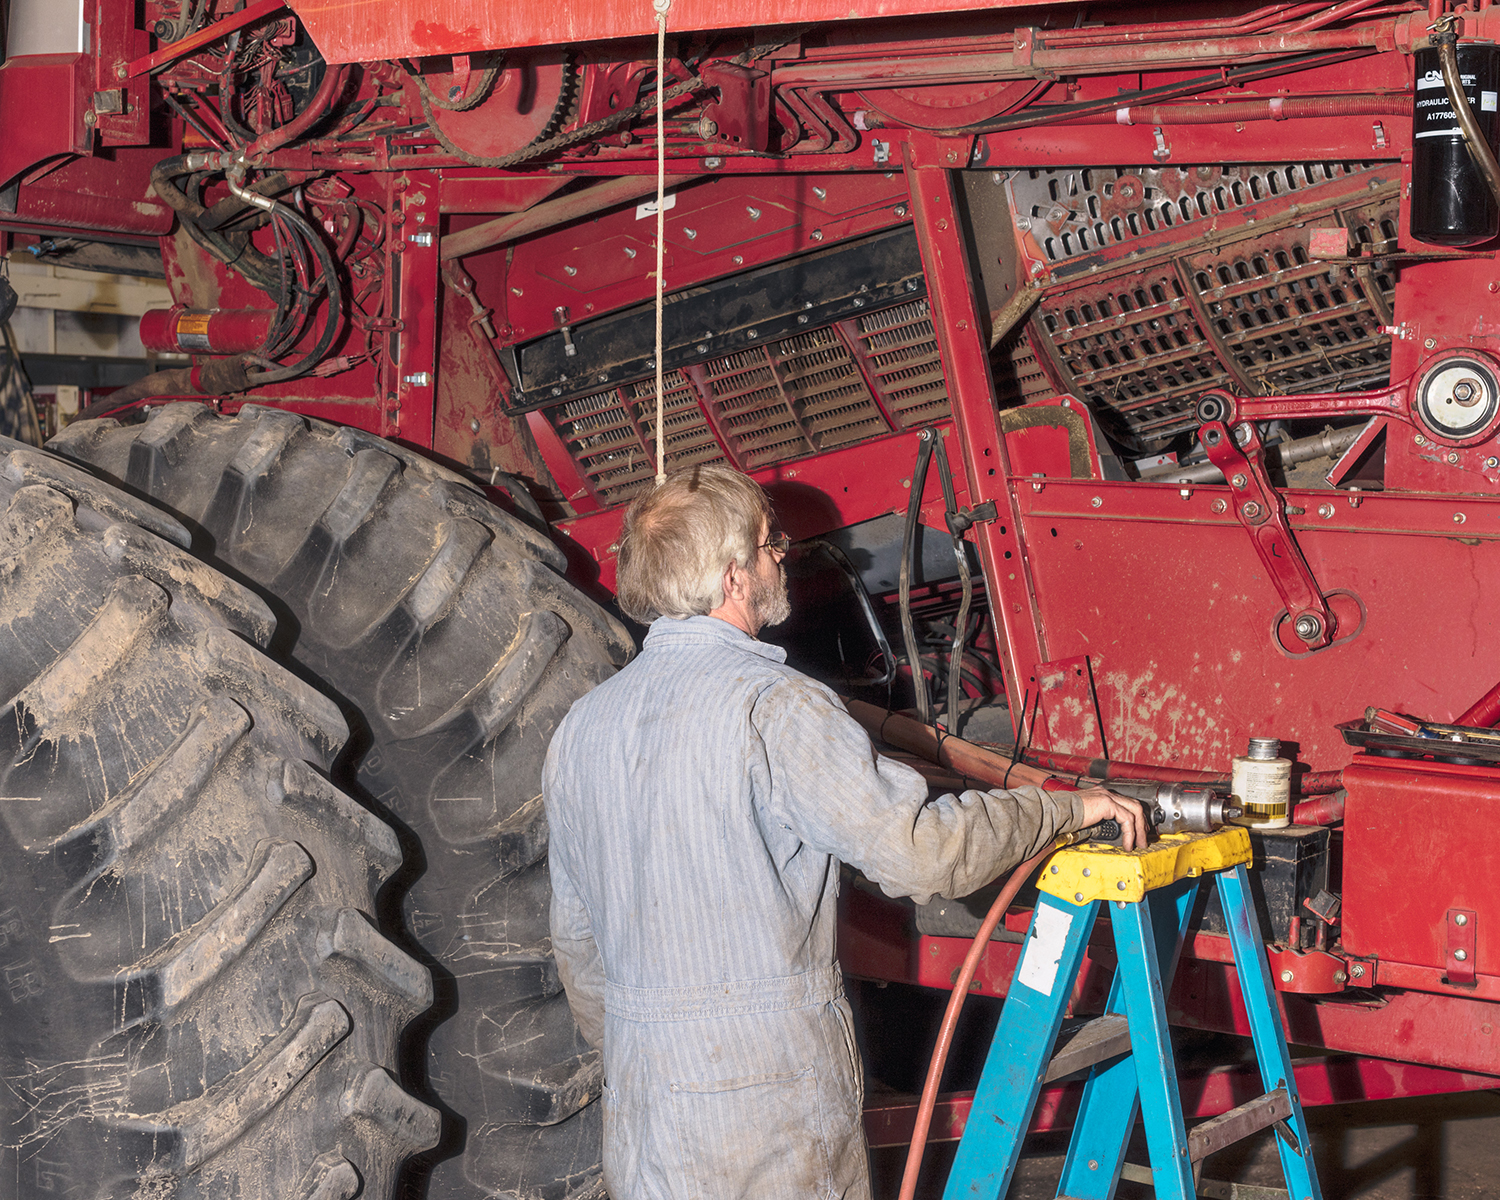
{"points": [[1397, 904], [50, 129], [1166, 596], [605, 263], [358, 30]]}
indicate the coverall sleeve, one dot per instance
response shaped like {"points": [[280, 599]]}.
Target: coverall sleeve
{"points": [[840, 797], [578, 963]]}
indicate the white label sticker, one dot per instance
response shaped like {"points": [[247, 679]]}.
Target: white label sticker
{"points": [[1044, 948], [648, 209], [1487, 101]]}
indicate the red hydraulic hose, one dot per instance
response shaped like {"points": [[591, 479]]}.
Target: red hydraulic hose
{"points": [[1484, 712], [1108, 768], [1320, 810], [961, 982], [333, 83]]}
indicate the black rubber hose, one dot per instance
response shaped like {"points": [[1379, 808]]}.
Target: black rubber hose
{"points": [[1446, 43], [925, 442], [330, 281], [233, 250]]}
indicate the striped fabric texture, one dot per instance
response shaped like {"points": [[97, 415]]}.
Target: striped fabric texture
{"points": [[699, 804]]}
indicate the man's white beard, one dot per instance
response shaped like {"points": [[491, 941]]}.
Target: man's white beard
{"points": [[770, 602]]}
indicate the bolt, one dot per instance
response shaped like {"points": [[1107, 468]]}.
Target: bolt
{"points": [[701, 348], [1120, 886], [1461, 955], [1096, 502], [424, 238], [901, 210], [1238, 481], [1078, 896], [1054, 870], [418, 378], [1430, 343], [1185, 493], [1218, 506], [752, 334], [713, 162], [1325, 511], [1085, 872], [567, 270], [120, 71], [1357, 970], [1308, 627], [602, 377], [1286, 977], [753, 211], [1340, 977], [1420, 440], [707, 128], [817, 235], [1491, 463], [1459, 518], [474, 425], [1250, 510], [1093, 1164], [629, 251], [1461, 920], [691, 233], [820, 193], [739, 260], [89, 118]]}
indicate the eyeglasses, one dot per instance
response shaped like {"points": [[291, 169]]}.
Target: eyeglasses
{"points": [[778, 544]]}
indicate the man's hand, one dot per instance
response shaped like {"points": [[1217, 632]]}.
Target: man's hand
{"points": [[1100, 804]]}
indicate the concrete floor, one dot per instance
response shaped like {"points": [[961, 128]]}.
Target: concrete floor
{"points": [[1431, 1148]]}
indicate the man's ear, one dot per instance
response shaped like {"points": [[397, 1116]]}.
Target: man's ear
{"points": [[734, 582]]}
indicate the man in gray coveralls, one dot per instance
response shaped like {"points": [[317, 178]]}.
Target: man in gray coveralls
{"points": [[700, 803]]}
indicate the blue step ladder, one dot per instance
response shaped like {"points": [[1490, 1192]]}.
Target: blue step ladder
{"points": [[1149, 897]]}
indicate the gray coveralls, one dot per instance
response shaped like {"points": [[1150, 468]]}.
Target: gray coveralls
{"points": [[699, 804]]}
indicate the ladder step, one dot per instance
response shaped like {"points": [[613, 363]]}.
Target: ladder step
{"points": [[1089, 1043], [1209, 1189], [1214, 1189], [1239, 1123]]}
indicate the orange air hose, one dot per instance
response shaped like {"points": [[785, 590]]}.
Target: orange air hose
{"points": [[1018, 877]]}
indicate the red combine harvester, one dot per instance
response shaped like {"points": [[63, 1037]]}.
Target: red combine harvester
{"points": [[1197, 306]]}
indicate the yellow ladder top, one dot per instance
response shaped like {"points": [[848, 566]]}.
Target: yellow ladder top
{"points": [[1080, 874]]}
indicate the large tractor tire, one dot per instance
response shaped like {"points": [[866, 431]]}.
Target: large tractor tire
{"points": [[194, 1002], [445, 626]]}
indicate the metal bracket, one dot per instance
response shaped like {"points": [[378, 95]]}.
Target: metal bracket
{"points": [[1261, 511], [1461, 945]]}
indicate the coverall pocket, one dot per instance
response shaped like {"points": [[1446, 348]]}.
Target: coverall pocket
{"points": [[758, 1137]]}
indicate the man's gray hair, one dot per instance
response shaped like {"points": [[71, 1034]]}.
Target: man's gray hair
{"points": [[680, 537]]}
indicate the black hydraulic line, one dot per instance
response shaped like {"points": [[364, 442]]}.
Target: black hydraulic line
{"points": [[232, 249], [926, 439], [1446, 43], [329, 278], [961, 625]]}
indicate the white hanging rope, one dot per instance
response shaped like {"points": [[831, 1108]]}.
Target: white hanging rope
{"points": [[661, 7]]}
